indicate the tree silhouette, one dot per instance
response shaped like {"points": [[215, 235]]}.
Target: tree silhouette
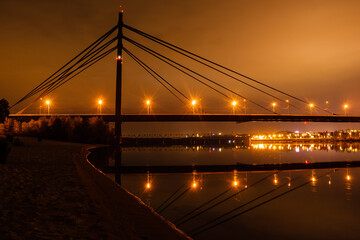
{"points": [[4, 110]]}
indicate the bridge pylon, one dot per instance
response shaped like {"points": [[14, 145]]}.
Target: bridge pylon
{"points": [[119, 58]]}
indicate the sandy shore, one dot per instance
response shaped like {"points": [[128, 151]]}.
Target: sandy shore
{"points": [[49, 191]]}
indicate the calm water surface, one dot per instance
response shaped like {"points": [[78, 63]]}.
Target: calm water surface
{"points": [[309, 204]]}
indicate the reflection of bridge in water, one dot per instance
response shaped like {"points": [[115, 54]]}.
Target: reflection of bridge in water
{"points": [[101, 159], [283, 147]]}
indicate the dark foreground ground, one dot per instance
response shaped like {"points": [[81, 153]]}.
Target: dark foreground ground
{"points": [[48, 191]]}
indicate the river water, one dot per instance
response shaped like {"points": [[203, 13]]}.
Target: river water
{"points": [[301, 204]]}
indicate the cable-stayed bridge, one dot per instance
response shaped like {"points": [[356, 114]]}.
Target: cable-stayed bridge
{"points": [[114, 40], [202, 117]]}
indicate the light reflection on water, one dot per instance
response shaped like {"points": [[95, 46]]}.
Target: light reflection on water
{"points": [[324, 208]]}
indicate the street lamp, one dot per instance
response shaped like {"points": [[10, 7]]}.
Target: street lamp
{"points": [[311, 105], [193, 103], [273, 106], [100, 102], [234, 103], [40, 104], [48, 106], [288, 105], [245, 106], [148, 106], [345, 108]]}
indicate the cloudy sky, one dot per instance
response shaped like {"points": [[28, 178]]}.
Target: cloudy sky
{"points": [[310, 49]]}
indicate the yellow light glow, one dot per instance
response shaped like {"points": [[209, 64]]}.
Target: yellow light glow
{"points": [[236, 183], [329, 182], [194, 185], [148, 102], [313, 179], [287, 101], [193, 102], [274, 104], [48, 102], [348, 177], [148, 186], [346, 106], [100, 101], [234, 103], [311, 105]]}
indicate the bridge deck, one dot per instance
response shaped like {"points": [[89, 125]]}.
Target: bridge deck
{"points": [[204, 117]]}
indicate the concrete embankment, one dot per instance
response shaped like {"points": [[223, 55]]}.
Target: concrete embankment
{"points": [[126, 213]]}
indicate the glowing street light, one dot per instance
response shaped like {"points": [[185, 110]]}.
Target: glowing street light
{"points": [[273, 106], [193, 103], [148, 106], [40, 104], [234, 103], [48, 106], [100, 103], [327, 105], [288, 105], [345, 108], [245, 106], [311, 106]]}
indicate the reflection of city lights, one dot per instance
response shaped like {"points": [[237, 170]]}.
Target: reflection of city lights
{"points": [[347, 175], [194, 182], [148, 184], [276, 179], [313, 179], [235, 181]]}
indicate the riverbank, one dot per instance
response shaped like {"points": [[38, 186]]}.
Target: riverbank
{"points": [[49, 191]]}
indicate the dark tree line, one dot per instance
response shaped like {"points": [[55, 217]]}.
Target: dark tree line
{"points": [[92, 130], [4, 110]]}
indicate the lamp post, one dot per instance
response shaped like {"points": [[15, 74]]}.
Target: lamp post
{"points": [[311, 106], [193, 103], [288, 105], [148, 106], [245, 106], [345, 108], [327, 105], [273, 106], [234, 103], [48, 106], [100, 103], [40, 104]]}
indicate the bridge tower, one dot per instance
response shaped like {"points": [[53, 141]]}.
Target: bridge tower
{"points": [[118, 120]]}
